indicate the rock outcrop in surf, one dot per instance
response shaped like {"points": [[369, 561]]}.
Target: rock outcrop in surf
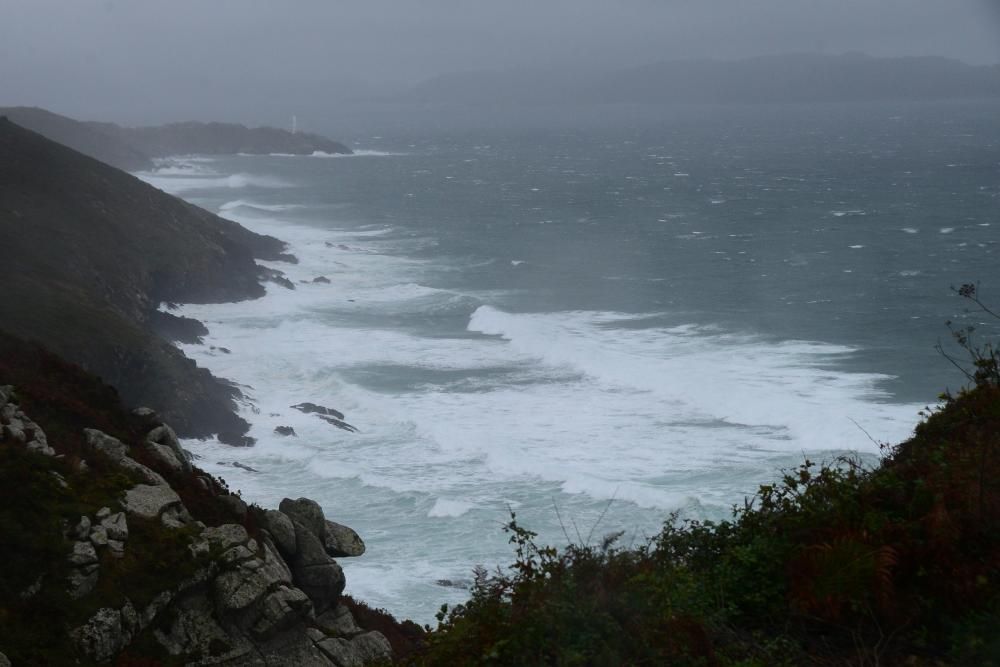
{"points": [[132, 554]]}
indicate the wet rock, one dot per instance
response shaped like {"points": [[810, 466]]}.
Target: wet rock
{"points": [[285, 430], [237, 464], [313, 408], [321, 279], [338, 423], [341, 541]]}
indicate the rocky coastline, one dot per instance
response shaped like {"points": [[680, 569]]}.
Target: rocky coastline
{"points": [[241, 585], [91, 253]]}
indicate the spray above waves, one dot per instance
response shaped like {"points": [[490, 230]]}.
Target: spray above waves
{"points": [[789, 389]]}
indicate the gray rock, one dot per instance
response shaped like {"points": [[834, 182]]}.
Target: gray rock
{"points": [[255, 577], [99, 441], [148, 416], [357, 652], [82, 528], [338, 621], [103, 636], [116, 548], [103, 513], [175, 516], [149, 502], [145, 474], [285, 431], [235, 504], [14, 432], [281, 529], [99, 536], [315, 572], [115, 525], [7, 413], [226, 536], [305, 511], [153, 609], [6, 391], [83, 553], [43, 448], [82, 581], [4, 660], [280, 610], [341, 541], [165, 455], [164, 435]]}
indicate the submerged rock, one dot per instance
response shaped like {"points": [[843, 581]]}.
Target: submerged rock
{"points": [[314, 408], [285, 431]]}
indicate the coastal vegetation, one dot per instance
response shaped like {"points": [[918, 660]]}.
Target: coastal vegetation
{"points": [[834, 564]]}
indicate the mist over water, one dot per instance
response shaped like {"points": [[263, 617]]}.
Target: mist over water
{"points": [[593, 328]]}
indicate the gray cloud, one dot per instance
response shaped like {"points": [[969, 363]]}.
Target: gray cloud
{"points": [[146, 60]]}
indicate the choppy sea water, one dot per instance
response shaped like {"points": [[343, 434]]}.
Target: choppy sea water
{"points": [[591, 328]]}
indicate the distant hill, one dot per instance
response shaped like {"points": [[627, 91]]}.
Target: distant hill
{"points": [[89, 252], [133, 148], [219, 139], [779, 79], [91, 139]]}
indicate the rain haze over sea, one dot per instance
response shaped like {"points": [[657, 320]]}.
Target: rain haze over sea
{"points": [[592, 327]]}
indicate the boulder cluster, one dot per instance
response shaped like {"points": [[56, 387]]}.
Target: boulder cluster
{"points": [[270, 597]]}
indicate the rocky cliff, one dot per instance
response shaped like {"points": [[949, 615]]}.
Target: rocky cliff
{"points": [[133, 148], [118, 549], [89, 252], [219, 139], [87, 138]]}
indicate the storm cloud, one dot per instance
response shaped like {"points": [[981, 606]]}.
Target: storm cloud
{"points": [[153, 61]]}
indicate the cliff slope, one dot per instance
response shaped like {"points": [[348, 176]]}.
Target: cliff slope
{"points": [[117, 549], [88, 254], [88, 138]]}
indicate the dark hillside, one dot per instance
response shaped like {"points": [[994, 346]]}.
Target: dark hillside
{"points": [[88, 254], [88, 138]]}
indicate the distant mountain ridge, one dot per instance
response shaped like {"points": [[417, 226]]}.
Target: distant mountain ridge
{"points": [[794, 78], [133, 148]]}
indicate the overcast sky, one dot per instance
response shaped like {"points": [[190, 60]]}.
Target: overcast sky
{"points": [[150, 60]]}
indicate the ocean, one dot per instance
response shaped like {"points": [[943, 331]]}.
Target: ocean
{"points": [[597, 327]]}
